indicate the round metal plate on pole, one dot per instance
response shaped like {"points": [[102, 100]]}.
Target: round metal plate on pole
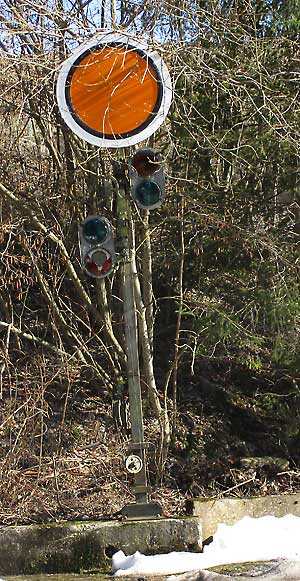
{"points": [[114, 91], [134, 464]]}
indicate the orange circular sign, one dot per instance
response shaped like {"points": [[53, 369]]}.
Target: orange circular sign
{"points": [[112, 92]]}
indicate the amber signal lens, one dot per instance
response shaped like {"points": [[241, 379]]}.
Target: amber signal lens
{"points": [[114, 90]]}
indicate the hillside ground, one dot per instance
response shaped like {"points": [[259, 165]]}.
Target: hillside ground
{"points": [[237, 434]]}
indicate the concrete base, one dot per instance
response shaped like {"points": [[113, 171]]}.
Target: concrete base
{"points": [[85, 546], [213, 511]]}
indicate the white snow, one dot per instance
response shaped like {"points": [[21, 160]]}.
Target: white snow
{"points": [[250, 539]]}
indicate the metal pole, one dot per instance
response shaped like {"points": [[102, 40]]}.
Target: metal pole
{"points": [[143, 508], [134, 385], [137, 446]]}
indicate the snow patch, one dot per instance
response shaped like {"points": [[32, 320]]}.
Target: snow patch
{"points": [[250, 539]]}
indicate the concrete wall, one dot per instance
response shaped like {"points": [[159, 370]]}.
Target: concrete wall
{"points": [[212, 512], [74, 547]]}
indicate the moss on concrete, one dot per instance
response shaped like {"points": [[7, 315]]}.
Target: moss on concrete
{"points": [[254, 568], [76, 547], [63, 577], [100, 576]]}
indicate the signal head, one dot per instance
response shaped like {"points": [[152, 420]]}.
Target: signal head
{"points": [[147, 179], [96, 246]]}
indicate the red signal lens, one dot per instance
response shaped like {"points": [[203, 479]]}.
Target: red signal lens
{"points": [[98, 263], [146, 162], [107, 266]]}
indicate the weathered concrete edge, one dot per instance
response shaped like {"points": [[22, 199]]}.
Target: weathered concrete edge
{"points": [[213, 511], [72, 547]]}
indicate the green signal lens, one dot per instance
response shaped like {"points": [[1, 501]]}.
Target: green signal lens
{"points": [[148, 193], [95, 230]]}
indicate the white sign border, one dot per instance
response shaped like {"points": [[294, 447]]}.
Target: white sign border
{"points": [[106, 38]]}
